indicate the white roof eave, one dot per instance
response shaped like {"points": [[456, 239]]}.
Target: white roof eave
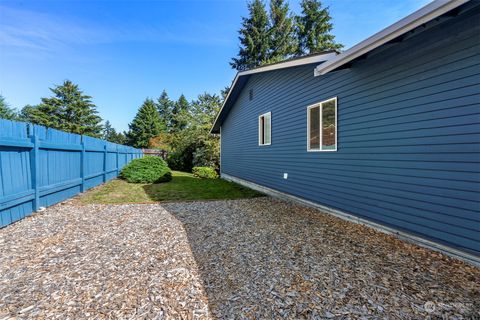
{"points": [[423, 15], [281, 65]]}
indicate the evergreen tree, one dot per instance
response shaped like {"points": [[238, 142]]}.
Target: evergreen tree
{"points": [[108, 131], [121, 138], [5, 111], [281, 32], [254, 38], [204, 110], [145, 126], [180, 114], [110, 134], [24, 114], [313, 29], [194, 145], [69, 110], [165, 108]]}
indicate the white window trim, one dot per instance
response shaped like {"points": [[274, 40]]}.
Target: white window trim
{"points": [[319, 104], [260, 129]]}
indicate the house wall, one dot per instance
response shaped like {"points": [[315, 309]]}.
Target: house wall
{"points": [[408, 134]]}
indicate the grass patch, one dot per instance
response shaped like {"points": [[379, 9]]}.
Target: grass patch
{"points": [[183, 187]]}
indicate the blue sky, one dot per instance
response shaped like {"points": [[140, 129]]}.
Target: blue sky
{"points": [[121, 52]]}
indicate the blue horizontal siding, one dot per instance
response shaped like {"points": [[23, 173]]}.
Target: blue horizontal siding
{"points": [[408, 134]]}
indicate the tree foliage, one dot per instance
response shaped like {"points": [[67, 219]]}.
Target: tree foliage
{"points": [[254, 38], [165, 108], [314, 29], [179, 115], [110, 134], [194, 145], [68, 110], [24, 113], [279, 34], [145, 126], [5, 111]]}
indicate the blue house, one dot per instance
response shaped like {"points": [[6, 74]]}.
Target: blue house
{"points": [[386, 133]]}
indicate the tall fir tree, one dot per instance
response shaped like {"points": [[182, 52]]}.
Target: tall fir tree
{"points": [[24, 114], [254, 38], [145, 126], [204, 109], [180, 114], [68, 110], [108, 130], [313, 29], [165, 108], [5, 111], [283, 43], [110, 134]]}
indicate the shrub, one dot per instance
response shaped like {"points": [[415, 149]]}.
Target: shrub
{"points": [[182, 158], [146, 170], [204, 172]]}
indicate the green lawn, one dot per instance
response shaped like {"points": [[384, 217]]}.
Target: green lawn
{"points": [[183, 187]]}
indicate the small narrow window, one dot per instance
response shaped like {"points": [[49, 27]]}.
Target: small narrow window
{"points": [[322, 126], [265, 129]]}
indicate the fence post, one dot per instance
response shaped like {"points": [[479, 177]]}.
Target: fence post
{"points": [[118, 169], [34, 161], [82, 166], [105, 162]]}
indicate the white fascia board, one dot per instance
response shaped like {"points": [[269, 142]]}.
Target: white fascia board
{"points": [[410, 22], [225, 101], [291, 63], [281, 65]]}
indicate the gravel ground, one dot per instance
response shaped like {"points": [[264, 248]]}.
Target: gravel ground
{"points": [[257, 259]]}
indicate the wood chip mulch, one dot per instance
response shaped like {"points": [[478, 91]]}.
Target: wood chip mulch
{"points": [[240, 259]]}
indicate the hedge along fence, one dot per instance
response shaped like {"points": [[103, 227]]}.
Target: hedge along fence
{"points": [[42, 166]]}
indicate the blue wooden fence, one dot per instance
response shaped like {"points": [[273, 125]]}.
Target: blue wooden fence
{"points": [[42, 166]]}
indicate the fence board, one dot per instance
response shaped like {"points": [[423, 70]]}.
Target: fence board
{"points": [[42, 166]]}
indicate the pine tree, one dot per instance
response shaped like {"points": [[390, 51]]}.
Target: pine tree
{"points": [[121, 138], [281, 32], [165, 107], [24, 114], [145, 126], [5, 111], [108, 130], [204, 110], [180, 116], [110, 134], [254, 38], [313, 29], [69, 110]]}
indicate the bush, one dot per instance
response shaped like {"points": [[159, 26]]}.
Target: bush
{"points": [[146, 170], [182, 158], [204, 172]]}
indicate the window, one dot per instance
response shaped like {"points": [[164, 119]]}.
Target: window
{"points": [[265, 129], [322, 126]]}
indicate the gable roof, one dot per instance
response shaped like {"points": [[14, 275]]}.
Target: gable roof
{"points": [[331, 60], [427, 13], [241, 79]]}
